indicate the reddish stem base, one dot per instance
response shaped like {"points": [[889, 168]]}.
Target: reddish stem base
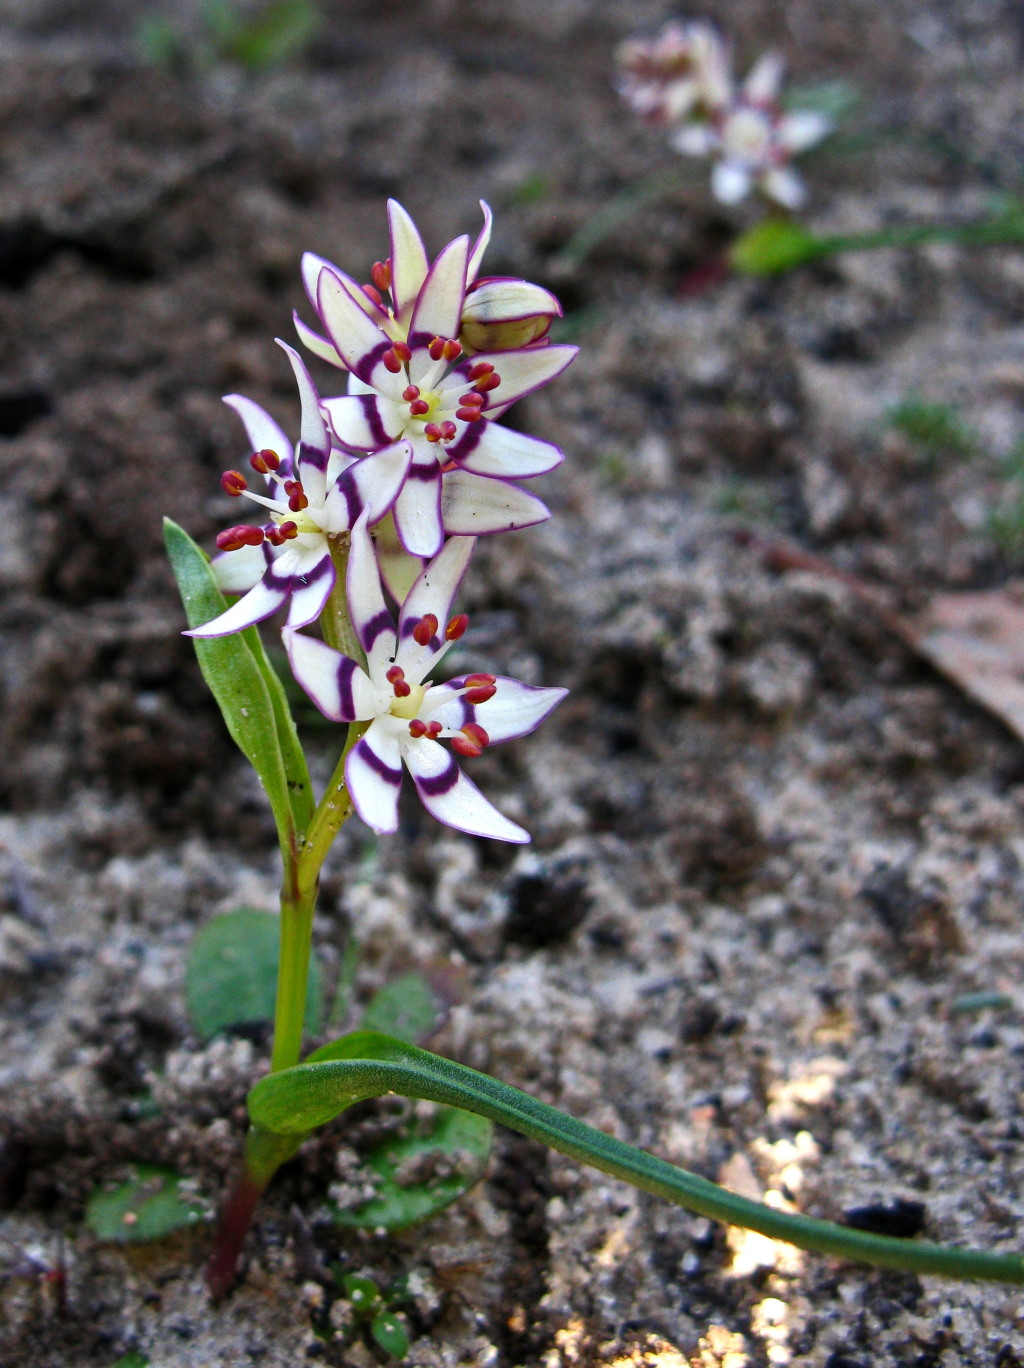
{"points": [[232, 1227]]}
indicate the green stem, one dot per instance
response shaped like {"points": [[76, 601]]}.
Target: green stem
{"points": [[616, 211], [367, 1064], [298, 904]]}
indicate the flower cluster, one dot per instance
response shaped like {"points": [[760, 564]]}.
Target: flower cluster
{"points": [[395, 479], [682, 80]]}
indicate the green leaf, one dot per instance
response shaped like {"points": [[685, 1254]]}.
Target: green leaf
{"points": [[390, 1334], [773, 246], [237, 679], [147, 1207], [133, 1359], [363, 1293], [296, 771], [404, 1008], [231, 975], [279, 32], [366, 1064], [419, 1175]]}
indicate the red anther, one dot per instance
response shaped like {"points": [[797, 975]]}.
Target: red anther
{"points": [[403, 352], [473, 397], [476, 733], [434, 730], [452, 350], [297, 500], [480, 695], [233, 482], [448, 430], [469, 415], [234, 538], [480, 368], [288, 531], [465, 747], [380, 274], [419, 407], [273, 535], [471, 740], [425, 630], [474, 680], [432, 432], [395, 674], [417, 728], [457, 627], [391, 361], [488, 382], [265, 460], [435, 348], [410, 393], [373, 294]]}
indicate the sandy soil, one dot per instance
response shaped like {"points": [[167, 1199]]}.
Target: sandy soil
{"points": [[775, 849]]}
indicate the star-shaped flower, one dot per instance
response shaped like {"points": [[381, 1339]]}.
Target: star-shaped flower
{"points": [[315, 492], [682, 73], [408, 715], [412, 379], [754, 140]]}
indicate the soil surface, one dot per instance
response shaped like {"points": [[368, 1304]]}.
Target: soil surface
{"points": [[772, 850]]}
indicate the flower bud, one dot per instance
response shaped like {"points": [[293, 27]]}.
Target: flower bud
{"points": [[504, 314]]}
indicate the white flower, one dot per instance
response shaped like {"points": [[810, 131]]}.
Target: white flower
{"points": [[681, 74], [408, 715], [315, 492]]}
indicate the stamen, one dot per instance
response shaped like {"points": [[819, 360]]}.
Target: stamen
{"points": [[448, 430], [234, 538], [403, 352], [432, 432], [265, 460], [419, 407], [481, 368], [380, 274], [396, 678], [373, 294], [479, 688], [425, 630], [417, 728], [471, 741], [457, 627], [469, 415], [434, 730], [233, 482], [488, 382], [435, 348], [391, 361], [473, 397], [277, 536], [297, 500], [452, 350], [410, 393]]}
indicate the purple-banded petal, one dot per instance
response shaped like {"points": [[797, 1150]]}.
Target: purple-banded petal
{"points": [[236, 572], [764, 81], [514, 710], [311, 267], [371, 484], [408, 259], [730, 182], [501, 299], [417, 510], [802, 129], [449, 796], [398, 570], [434, 592], [312, 582], [373, 623], [359, 341], [260, 602], [362, 421], [314, 447], [318, 345], [476, 256], [373, 774], [477, 505], [695, 140], [339, 688], [521, 372], [439, 302], [263, 433], [487, 448], [785, 187]]}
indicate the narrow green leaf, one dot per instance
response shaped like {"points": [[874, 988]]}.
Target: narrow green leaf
{"points": [[366, 1064], [296, 771], [235, 677], [419, 1175], [231, 975], [390, 1334], [404, 1008], [279, 32], [147, 1207]]}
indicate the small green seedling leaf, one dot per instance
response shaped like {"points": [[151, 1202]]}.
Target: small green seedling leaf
{"points": [[241, 679], [390, 1334], [775, 245], [149, 1206], [133, 1359], [363, 1293], [419, 1175], [279, 32], [404, 1008], [231, 975]]}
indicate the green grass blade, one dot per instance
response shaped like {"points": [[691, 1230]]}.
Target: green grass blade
{"points": [[366, 1064]]}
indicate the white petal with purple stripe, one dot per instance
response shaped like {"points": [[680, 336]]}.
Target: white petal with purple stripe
{"points": [[452, 798], [373, 774]]}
